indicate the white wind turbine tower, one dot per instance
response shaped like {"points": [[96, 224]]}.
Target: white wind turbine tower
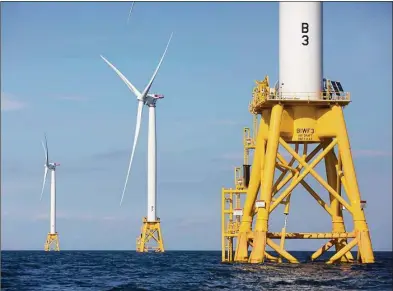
{"points": [[151, 224], [53, 237]]}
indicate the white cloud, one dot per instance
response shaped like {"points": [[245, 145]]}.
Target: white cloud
{"points": [[78, 217], [9, 103]]}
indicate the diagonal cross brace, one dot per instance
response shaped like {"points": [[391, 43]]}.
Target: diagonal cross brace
{"points": [[278, 186], [309, 169], [320, 201]]}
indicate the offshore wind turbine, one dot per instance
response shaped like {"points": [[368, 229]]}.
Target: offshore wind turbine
{"points": [[52, 237], [151, 224], [303, 114]]}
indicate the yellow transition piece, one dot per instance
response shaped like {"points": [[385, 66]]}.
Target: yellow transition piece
{"points": [[294, 124]]}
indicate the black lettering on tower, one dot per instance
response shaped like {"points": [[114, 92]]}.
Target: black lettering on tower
{"points": [[304, 27], [304, 32]]}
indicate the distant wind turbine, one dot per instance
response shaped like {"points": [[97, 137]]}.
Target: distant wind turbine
{"points": [[52, 235], [145, 98]]}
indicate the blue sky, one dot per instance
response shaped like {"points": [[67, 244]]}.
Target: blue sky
{"points": [[54, 81]]}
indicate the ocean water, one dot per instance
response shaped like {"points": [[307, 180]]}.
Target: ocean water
{"points": [[181, 270]]}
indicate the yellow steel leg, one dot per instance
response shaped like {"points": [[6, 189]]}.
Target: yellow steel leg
{"points": [[241, 254], [360, 225], [230, 249], [52, 242], [261, 226], [337, 216], [150, 231]]}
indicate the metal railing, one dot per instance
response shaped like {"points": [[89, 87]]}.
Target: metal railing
{"points": [[310, 96]]}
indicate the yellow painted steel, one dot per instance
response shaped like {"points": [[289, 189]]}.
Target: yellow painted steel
{"points": [[292, 123], [239, 183], [267, 175], [336, 212], [323, 249], [249, 141], [151, 231], [52, 242]]}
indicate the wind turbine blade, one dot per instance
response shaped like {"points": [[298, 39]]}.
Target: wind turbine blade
{"points": [[128, 83], [156, 71], [45, 146], [43, 184], [132, 6], [137, 127]]}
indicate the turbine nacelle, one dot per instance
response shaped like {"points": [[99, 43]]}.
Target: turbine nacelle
{"points": [[52, 166], [151, 99], [156, 96], [47, 165]]}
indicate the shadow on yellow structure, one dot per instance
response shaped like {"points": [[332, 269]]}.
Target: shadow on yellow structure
{"points": [[52, 242], [151, 231], [296, 125]]}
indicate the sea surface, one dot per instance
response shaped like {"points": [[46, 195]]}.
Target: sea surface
{"points": [[182, 270]]}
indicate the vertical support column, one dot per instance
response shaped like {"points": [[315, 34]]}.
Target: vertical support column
{"points": [[52, 239], [223, 238], [282, 240], [359, 219], [241, 254], [151, 166], [230, 249], [338, 225], [261, 226], [160, 240], [53, 202], [142, 241]]}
